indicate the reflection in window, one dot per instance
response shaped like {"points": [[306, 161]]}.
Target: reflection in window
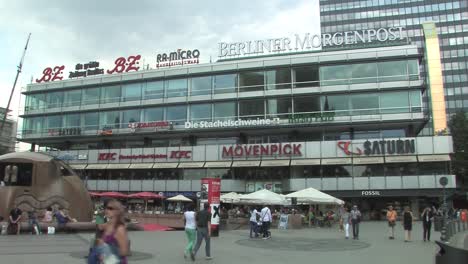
{"points": [[131, 92], [110, 119], [153, 114], [72, 98], [337, 171], [277, 107], [307, 104], [54, 99], [176, 88], [363, 72], [177, 114], [278, 79], [194, 174], [306, 76], [35, 101], [153, 90], [415, 101], [90, 96], [54, 121], [91, 121], [392, 71], [225, 83], [337, 103], [110, 94], [251, 81], [130, 116], [201, 85], [33, 125], [225, 111], [312, 172], [365, 104], [72, 121], [200, 112], [368, 170], [394, 102], [251, 109], [335, 75]]}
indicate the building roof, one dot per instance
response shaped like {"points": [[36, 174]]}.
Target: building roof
{"points": [[33, 156]]}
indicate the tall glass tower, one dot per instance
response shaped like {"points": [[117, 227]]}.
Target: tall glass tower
{"points": [[451, 21]]}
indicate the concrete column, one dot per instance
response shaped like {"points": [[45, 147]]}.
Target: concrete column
{"points": [[415, 207]]}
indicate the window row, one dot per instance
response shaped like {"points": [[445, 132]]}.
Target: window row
{"points": [[283, 108], [282, 78]]}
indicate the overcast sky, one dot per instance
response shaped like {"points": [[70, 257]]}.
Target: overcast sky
{"points": [[69, 32]]}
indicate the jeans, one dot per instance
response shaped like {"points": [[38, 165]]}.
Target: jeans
{"points": [[253, 228], [346, 228], [202, 233], [266, 228], [427, 230], [191, 234], [355, 225]]}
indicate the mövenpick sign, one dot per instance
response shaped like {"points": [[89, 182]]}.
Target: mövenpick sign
{"points": [[308, 42]]}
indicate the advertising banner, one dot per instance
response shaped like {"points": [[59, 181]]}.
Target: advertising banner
{"points": [[211, 193]]}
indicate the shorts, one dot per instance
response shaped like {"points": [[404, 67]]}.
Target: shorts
{"points": [[391, 223]]}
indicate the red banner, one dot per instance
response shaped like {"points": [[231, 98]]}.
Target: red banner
{"points": [[211, 192]]}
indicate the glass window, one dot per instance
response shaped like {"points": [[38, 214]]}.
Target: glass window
{"points": [[278, 79], [72, 98], [392, 71], [225, 111], [306, 76], [54, 121], [90, 96], [251, 109], [312, 172], [153, 90], [33, 125], [251, 81], [72, 121], [433, 168], [110, 94], [394, 102], [176, 88], [363, 72], [201, 85], [110, 119], [54, 99], [413, 69], [194, 174], [339, 104], [177, 114], [153, 114], [91, 121], [200, 112], [335, 75], [279, 107], [130, 116], [225, 83], [337, 171], [392, 169], [415, 101], [307, 104], [131, 92], [365, 104], [35, 102], [368, 170]]}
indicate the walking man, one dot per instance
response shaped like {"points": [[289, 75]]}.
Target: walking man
{"points": [[253, 222], [355, 220], [427, 216], [345, 219], [203, 220], [391, 217], [265, 217]]}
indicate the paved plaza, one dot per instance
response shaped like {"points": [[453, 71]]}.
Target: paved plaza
{"points": [[314, 245]]}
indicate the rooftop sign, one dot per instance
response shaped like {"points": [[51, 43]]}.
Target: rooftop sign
{"points": [[307, 42]]}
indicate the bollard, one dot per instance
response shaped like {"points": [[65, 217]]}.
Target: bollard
{"points": [[443, 234]]}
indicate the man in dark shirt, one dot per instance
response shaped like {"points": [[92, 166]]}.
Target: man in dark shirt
{"points": [[15, 217], [203, 219]]}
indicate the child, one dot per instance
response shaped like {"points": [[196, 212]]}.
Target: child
{"points": [[101, 253], [33, 224]]}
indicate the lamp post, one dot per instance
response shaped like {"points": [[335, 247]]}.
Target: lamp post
{"points": [[444, 181]]}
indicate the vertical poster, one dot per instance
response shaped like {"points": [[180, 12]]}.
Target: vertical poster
{"points": [[211, 192]]}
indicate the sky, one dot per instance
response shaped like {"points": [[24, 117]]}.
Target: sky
{"points": [[69, 32]]}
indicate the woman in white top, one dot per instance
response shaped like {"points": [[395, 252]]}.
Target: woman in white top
{"points": [[190, 229], [48, 215]]}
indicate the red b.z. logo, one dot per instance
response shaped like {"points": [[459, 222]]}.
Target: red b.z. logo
{"points": [[181, 154]]}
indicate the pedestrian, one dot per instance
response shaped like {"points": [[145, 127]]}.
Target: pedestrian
{"points": [[346, 219], [391, 218], [355, 220], [253, 221], [190, 229], [464, 218], [48, 215], [203, 220], [427, 216], [265, 217], [341, 211], [33, 224], [408, 223], [14, 225], [115, 232]]}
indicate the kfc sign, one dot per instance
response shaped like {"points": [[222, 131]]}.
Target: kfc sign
{"points": [[257, 150], [176, 154]]}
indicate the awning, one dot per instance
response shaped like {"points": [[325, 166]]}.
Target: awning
{"points": [[429, 158], [396, 159], [368, 160], [302, 162], [274, 163], [141, 166], [191, 164], [96, 166], [246, 163], [218, 164], [165, 165], [336, 161], [78, 166], [118, 166]]}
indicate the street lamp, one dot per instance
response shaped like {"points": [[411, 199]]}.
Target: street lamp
{"points": [[444, 181]]}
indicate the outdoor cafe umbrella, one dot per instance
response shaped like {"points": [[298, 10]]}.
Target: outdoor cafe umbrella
{"points": [[94, 194], [145, 196], [113, 195], [314, 196], [231, 197], [179, 198], [263, 197]]}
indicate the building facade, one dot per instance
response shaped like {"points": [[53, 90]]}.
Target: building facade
{"points": [[278, 122], [8, 133], [451, 23]]}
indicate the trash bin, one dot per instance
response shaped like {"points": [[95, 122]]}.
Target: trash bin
{"points": [[450, 255], [438, 223]]}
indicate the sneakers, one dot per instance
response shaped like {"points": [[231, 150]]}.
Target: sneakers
{"points": [[208, 258], [391, 238], [192, 256]]}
